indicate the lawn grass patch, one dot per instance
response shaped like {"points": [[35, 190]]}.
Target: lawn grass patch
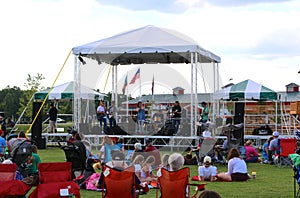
{"points": [[271, 181]]}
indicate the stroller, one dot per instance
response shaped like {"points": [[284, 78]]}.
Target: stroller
{"points": [[21, 151], [75, 153]]}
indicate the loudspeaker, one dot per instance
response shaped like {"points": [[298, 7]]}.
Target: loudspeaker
{"points": [[36, 130], [239, 109]]}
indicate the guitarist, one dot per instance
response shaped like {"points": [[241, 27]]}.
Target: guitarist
{"points": [[112, 109], [176, 115]]}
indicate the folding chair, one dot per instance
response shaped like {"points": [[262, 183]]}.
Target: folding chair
{"points": [[287, 146], [56, 176], [118, 183], [174, 184], [206, 149], [9, 187]]}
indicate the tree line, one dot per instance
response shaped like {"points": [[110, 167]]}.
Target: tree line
{"points": [[14, 100]]}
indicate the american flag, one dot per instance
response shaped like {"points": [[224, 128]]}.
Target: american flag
{"points": [[135, 77], [125, 85]]}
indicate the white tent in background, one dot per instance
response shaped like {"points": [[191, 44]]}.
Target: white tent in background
{"points": [[147, 45], [65, 91]]}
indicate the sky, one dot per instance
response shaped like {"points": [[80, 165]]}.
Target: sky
{"points": [[256, 39]]}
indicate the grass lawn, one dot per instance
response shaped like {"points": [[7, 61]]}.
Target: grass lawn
{"points": [[271, 181]]}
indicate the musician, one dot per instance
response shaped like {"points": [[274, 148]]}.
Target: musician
{"points": [[158, 119], [205, 112], [176, 115], [111, 111]]}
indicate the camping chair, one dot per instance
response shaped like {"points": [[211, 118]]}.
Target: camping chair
{"points": [[206, 149], [55, 180], [9, 187], [174, 183], [118, 183], [287, 146]]}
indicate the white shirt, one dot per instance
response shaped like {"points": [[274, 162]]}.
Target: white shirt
{"points": [[207, 172], [236, 165]]}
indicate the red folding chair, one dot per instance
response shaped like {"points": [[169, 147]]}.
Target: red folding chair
{"points": [[287, 146], [174, 184], [9, 187], [118, 183], [55, 180]]}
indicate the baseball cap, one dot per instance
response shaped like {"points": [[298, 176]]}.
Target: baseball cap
{"points": [[207, 160], [138, 146], [275, 133]]}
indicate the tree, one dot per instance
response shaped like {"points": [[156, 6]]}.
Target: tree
{"points": [[10, 101], [33, 84]]}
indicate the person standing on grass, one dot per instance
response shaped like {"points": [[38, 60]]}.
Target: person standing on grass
{"points": [[52, 118]]}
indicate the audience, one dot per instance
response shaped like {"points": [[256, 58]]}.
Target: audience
{"points": [[209, 194], [265, 150], [34, 161], [207, 172], [237, 168], [273, 147], [176, 161], [251, 153]]}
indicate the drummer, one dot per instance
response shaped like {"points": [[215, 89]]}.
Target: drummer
{"points": [[158, 119]]}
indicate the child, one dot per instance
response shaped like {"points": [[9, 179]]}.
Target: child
{"points": [[138, 162], [35, 160], [207, 172]]}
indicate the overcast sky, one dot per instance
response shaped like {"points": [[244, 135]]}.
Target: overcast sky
{"points": [[256, 39]]}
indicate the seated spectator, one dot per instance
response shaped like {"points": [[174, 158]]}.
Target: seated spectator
{"points": [[2, 143], [251, 153], [118, 163], [237, 168], [273, 147], [34, 161], [164, 164], [189, 159], [209, 194], [138, 150], [73, 137], [207, 172], [176, 161], [138, 162], [118, 160], [265, 150], [147, 168], [152, 150], [221, 151]]}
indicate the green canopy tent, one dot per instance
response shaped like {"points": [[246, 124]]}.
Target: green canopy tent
{"points": [[66, 91], [247, 90]]}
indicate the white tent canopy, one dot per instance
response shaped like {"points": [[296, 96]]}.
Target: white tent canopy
{"points": [[147, 45], [66, 91]]}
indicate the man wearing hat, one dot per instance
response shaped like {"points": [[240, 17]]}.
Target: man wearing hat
{"points": [[207, 172], [273, 147]]}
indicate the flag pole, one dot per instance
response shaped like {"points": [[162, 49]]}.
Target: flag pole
{"points": [[140, 87], [127, 102]]}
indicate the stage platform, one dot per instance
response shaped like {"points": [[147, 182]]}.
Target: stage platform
{"points": [[168, 142]]}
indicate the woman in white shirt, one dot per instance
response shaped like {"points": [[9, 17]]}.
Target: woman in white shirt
{"points": [[237, 168]]}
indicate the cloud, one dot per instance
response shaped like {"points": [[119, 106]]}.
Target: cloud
{"points": [[180, 6]]}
